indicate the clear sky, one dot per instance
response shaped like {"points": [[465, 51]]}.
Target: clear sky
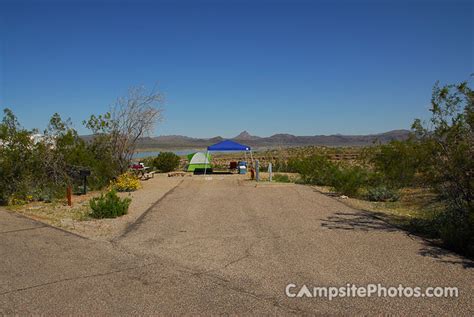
{"points": [[300, 67]]}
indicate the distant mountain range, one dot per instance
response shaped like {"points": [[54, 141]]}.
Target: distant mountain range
{"points": [[276, 140]]}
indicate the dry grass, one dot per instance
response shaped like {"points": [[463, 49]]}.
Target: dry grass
{"points": [[77, 219], [56, 213]]}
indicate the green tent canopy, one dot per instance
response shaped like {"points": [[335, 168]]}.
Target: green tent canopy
{"points": [[199, 160]]}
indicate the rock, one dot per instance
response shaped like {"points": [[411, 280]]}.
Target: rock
{"points": [[344, 197], [174, 174], [35, 207]]}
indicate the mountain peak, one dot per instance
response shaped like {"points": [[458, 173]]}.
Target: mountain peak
{"points": [[244, 135]]}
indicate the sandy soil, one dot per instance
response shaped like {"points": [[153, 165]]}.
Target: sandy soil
{"points": [[74, 218]]}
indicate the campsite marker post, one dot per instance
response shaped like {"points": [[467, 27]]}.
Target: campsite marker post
{"points": [[257, 174], [69, 195], [270, 171]]}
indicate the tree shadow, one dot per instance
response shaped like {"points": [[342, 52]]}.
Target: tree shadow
{"points": [[370, 221], [445, 256], [358, 220]]}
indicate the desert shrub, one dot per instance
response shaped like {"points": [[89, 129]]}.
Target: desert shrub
{"points": [[382, 193], [348, 180], [319, 170], [126, 182], [42, 167], [18, 162], [103, 165], [449, 136], [398, 161], [147, 161], [284, 167], [315, 169], [166, 162], [281, 178], [456, 229], [109, 205], [19, 199]]}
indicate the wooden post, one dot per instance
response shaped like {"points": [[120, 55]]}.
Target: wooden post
{"points": [[69, 195]]}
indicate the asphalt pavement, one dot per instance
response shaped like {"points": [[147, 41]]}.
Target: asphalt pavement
{"points": [[223, 245]]}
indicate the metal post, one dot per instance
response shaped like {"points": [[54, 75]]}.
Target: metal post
{"points": [[257, 172], [84, 191], [270, 171], [205, 162]]}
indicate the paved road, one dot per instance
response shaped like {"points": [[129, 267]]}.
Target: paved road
{"points": [[225, 246]]}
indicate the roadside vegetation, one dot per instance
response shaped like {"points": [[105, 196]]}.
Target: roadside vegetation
{"points": [[165, 162], [109, 205], [39, 167], [126, 182], [281, 178], [430, 176]]}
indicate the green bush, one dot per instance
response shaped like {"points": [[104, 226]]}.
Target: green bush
{"points": [[319, 170], [109, 205], [281, 178], [398, 161], [449, 138], [456, 229], [348, 180], [382, 193], [315, 169], [166, 162]]}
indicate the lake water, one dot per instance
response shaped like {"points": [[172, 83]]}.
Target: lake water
{"points": [[140, 155], [155, 153]]}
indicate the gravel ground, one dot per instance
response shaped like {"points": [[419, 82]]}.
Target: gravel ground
{"points": [[226, 245], [107, 229]]}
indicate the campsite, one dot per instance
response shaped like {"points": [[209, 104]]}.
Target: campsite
{"points": [[236, 158], [221, 233], [230, 219]]}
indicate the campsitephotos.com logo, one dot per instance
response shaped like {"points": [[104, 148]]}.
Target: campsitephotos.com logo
{"points": [[369, 290]]}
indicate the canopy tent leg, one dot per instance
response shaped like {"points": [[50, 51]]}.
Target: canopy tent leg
{"points": [[205, 162]]}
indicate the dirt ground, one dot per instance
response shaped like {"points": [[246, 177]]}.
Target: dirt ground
{"points": [[75, 218]]}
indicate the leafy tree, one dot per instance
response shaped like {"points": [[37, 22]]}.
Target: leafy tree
{"points": [[62, 150], [16, 157], [131, 118], [449, 134]]}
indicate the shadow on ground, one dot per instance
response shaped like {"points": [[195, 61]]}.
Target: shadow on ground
{"points": [[359, 220], [368, 221], [445, 256]]}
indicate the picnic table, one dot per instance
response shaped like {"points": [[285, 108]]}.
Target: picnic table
{"points": [[144, 172]]}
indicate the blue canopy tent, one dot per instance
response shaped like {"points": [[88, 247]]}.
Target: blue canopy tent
{"points": [[229, 145]]}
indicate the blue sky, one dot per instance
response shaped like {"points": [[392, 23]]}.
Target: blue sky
{"points": [[300, 67]]}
